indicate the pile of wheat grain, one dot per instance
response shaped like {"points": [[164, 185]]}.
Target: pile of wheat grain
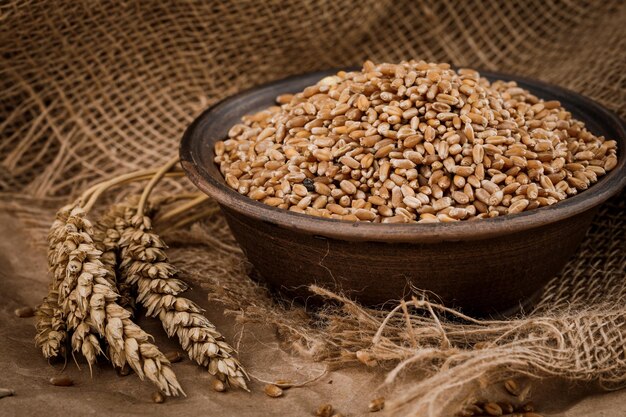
{"points": [[415, 141]]}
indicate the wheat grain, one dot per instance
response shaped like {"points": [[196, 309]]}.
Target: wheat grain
{"points": [[493, 409], [5, 392], [324, 410], [512, 387], [358, 135], [24, 312], [273, 391], [62, 381], [376, 404], [218, 385], [158, 398], [174, 356]]}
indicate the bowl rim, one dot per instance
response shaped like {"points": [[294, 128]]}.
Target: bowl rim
{"points": [[605, 188]]}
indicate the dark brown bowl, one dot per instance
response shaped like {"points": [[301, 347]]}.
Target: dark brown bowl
{"points": [[484, 267]]}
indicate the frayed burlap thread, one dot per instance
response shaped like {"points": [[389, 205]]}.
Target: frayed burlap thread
{"points": [[106, 94]]}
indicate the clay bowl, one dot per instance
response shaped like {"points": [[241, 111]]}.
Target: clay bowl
{"points": [[483, 267]]}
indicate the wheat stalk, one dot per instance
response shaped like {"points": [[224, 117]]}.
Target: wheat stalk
{"points": [[66, 305], [87, 297], [84, 295], [145, 264], [82, 298], [57, 311], [81, 285]]}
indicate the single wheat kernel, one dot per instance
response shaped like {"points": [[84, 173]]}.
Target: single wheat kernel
{"points": [[324, 410], [273, 391], [376, 404], [158, 398], [5, 392], [511, 387], [174, 356], [492, 409], [218, 386], [61, 381], [24, 312]]}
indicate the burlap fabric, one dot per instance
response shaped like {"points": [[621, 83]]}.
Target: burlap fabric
{"points": [[91, 89]]}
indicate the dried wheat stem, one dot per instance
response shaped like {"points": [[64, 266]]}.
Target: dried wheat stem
{"points": [[123, 179], [288, 384], [170, 199], [155, 179], [185, 221], [87, 194], [182, 208], [146, 265]]}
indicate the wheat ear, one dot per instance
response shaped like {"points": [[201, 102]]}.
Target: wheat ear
{"points": [[95, 294], [51, 334], [145, 264], [108, 231], [128, 343]]}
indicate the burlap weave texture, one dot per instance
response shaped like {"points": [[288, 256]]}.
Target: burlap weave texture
{"points": [[92, 89]]}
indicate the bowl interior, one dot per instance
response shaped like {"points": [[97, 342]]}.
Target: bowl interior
{"points": [[197, 156]]}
